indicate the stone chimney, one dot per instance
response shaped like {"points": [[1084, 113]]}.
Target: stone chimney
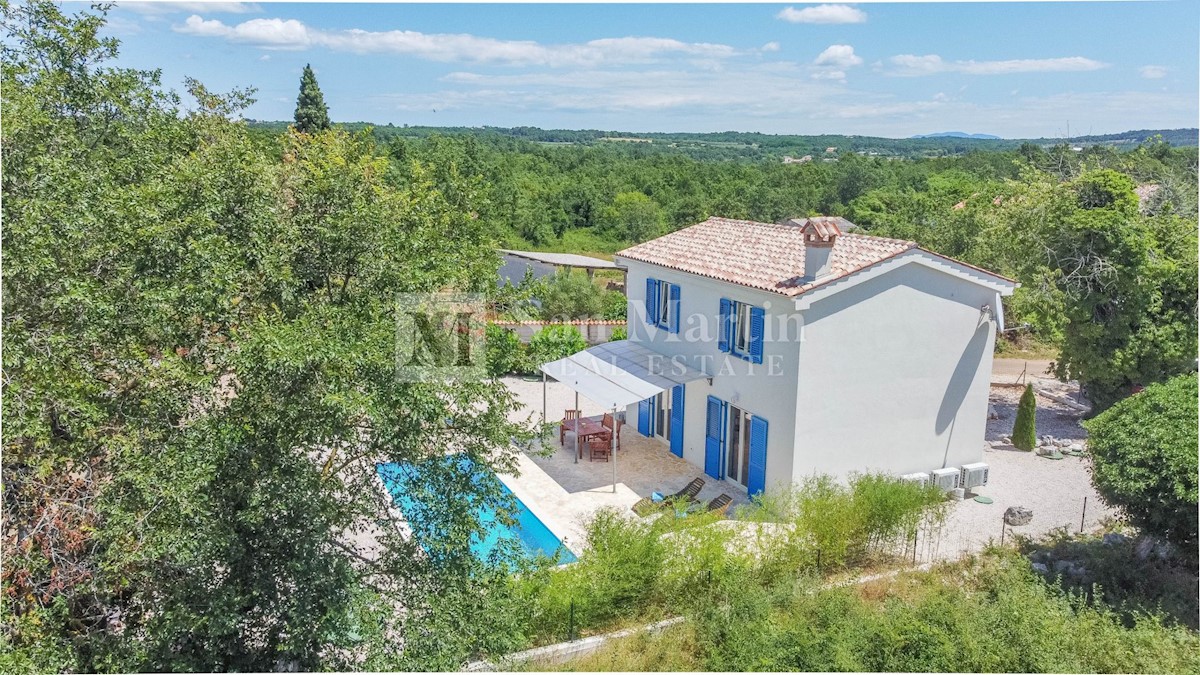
{"points": [[820, 235]]}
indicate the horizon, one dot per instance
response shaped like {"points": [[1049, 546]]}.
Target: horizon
{"points": [[890, 70]]}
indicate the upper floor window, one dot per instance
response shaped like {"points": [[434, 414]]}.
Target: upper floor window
{"points": [[741, 330], [662, 304]]}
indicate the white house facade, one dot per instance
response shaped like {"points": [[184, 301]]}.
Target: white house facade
{"points": [[825, 352]]}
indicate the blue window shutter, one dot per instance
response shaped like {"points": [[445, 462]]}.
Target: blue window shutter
{"points": [[714, 439], [677, 420], [758, 456], [725, 324], [674, 322], [651, 301], [757, 321], [644, 417]]}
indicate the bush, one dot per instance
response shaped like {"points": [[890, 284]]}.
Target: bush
{"points": [[1144, 459], [503, 352], [555, 342], [616, 306], [619, 333], [1024, 435], [570, 295]]}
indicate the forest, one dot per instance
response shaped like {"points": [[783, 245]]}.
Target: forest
{"points": [[199, 326]]}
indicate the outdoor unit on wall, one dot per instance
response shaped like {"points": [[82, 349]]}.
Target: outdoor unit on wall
{"points": [[946, 479], [973, 475], [921, 479]]}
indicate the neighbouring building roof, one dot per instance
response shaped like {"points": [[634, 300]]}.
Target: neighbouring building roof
{"points": [[769, 256], [563, 259]]}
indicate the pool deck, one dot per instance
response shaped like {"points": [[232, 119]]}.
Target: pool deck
{"points": [[564, 494]]}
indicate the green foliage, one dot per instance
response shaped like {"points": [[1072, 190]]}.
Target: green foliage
{"points": [[555, 342], [570, 294], [847, 523], [633, 217], [199, 380], [1024, 433], [619, 333], [1144, 459], [311, 114], [987, 615], [616, 306], [503, 352]]}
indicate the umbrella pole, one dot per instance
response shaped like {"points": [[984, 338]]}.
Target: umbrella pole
{"points": [[614, 449], [543, 397], [577, 423]]}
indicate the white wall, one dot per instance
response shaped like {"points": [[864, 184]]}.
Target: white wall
{"points": [[767, 389], [894, 375]]}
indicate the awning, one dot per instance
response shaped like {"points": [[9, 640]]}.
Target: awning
{"points": [[618, 374]]}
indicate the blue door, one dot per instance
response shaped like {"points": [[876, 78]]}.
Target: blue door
{"points": [[758, 456], [644, 421], [714, 438], [677, 420]]}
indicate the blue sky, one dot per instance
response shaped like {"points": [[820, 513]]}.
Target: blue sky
{"points": [[1027, 69]]}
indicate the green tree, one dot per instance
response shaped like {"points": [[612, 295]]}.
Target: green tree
{"points": [[570, 295], [633, 217], [199, 384], [311, 114], [1144, 459], [1024, 434]]}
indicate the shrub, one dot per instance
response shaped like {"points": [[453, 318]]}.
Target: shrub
{"points": [[619, 333], [1024, 435], [503, 352], [555, 342], [616, 306], [1144, 459], [570, 295]]}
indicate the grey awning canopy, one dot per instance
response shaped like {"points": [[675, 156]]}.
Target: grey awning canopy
{"points": [[618, 374]]}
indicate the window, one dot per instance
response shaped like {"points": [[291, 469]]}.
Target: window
{"points": [[742, 330], [664, 304]]}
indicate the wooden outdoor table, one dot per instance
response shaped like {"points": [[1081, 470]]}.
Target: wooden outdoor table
{"points": [[584, 429]]}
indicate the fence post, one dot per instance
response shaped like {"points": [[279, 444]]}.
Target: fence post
{"points": [[571, 622], [914, 546], [1083, 516], [1002, 524]]}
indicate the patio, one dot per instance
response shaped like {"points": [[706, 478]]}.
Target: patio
{"points": [[565, 494]]}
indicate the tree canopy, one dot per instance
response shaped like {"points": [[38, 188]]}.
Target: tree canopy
{"points": [[311, 113]]}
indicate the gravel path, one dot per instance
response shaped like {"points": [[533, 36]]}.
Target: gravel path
{"points": [[1053, 489]]}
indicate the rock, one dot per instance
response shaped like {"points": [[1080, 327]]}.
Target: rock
{"points": [[958, 494], [1075, 447], [1114, 538], [1040, 567], [1072, 568], [1017, 516], [1152, 548], [992, 414], [1006, 439]]}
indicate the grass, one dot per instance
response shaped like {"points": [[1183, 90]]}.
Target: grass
{"points": [[989, 613], [582, 241]]}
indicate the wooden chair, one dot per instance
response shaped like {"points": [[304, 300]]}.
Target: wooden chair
{"points": [[598, 447], [569, 416], [720, 504], [609, 422], [690, 490]]}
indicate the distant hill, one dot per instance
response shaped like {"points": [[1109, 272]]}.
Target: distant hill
{"points": [[958, 134], [754, 146]]}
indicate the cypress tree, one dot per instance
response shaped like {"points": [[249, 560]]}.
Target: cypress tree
{"points": [[311, 113], [1024, 435]]}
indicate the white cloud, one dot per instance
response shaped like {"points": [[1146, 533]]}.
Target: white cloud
{"points": [[293, 34], [911, 65], [823, 14], [1153, 72], [160, 8], [770, 47], [832, 63], [840, 56]]}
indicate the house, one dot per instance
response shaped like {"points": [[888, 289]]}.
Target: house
{"points": [[822, 351]]}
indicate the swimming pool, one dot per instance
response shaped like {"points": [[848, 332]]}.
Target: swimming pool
{"points": [[413, 486]]}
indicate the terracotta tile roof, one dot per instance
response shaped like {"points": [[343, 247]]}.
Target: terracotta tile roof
{"points": [[760, 255]]}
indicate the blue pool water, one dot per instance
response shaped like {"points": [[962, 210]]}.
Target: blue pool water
{"points": [[413, 486]]}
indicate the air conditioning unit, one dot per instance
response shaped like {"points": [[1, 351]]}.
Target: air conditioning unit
{"points": [[973, 475], [921, 479], [946, 479]]}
